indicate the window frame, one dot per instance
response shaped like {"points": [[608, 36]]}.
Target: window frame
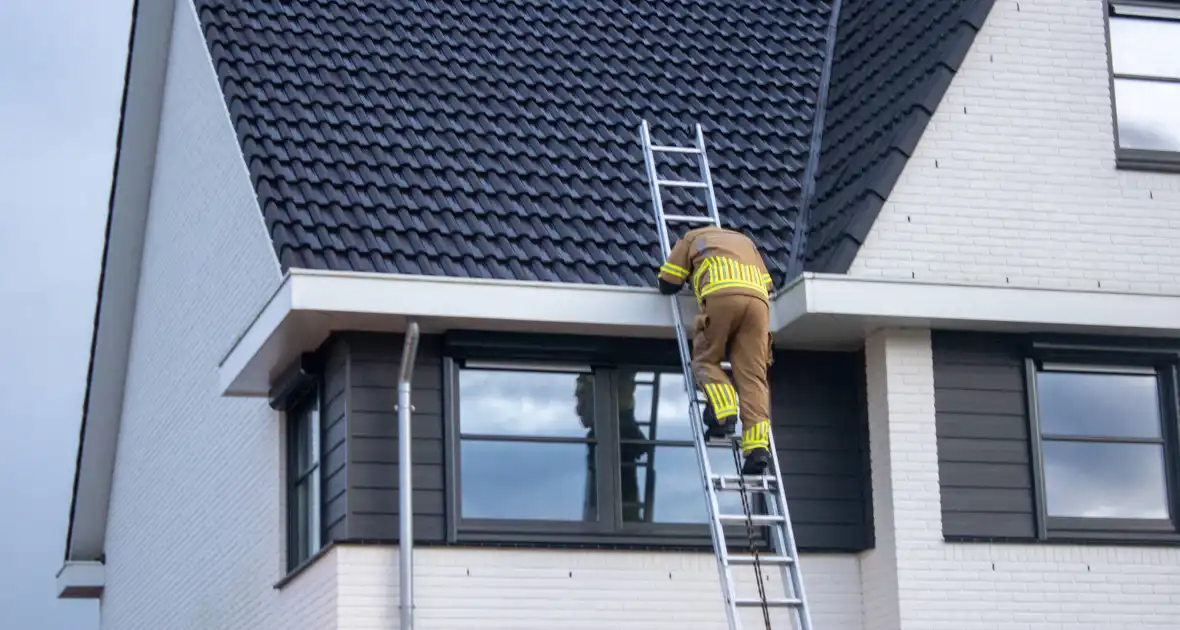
{"points": [[609, 531], [1162, 10], [306, 408], [1110, 360]]}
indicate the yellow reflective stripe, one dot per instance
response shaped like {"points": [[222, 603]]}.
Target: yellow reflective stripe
{"points": [[756, 436], [727, 273], [722, 398], [674, 270], [717, 286]]}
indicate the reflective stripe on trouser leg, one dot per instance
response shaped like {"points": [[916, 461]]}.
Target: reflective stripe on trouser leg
{"points": [[723, 400], [755, 436]]}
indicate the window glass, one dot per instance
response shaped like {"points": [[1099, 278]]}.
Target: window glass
{"points": [[304, 480], [527, 480], [1148, 114], [667, 486], [527, 441], [1145, 47], [536, 404], [660, 480], [1105, 480], [1097, 405]]}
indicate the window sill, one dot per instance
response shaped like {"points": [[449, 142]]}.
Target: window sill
{"points": [[1146, 160], [1080, 539], [303, 566], [669, 539]]}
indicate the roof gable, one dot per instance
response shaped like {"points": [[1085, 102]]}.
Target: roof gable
{"points": [[501, 139], [893, 62]]}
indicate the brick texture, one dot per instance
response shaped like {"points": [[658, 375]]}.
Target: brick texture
{"points": [[521, 589], [1014, 180], [981, 586], [194, 538]]}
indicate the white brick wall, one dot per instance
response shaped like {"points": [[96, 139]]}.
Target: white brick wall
{"points": [[1014, 179], [592, 590], [194, 537], [978, 586]]}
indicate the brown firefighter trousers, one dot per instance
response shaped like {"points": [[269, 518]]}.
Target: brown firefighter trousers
{"points": [[740, 324]]}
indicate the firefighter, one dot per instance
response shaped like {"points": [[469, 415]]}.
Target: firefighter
{"points": [[731, 284]]}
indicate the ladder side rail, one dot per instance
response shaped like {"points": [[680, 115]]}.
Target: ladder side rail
{"points": [[707, 177], [715, 531], [785, 541]]}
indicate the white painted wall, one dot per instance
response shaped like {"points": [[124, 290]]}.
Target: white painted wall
{"points": [[981, 586], [593, 590], [195, 531], [1014, 179]]}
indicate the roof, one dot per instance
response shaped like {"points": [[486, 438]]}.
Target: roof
{"points": [[501, 139]]}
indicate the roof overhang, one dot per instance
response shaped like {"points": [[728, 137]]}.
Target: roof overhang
{"points": [[149, 41], [81, 580], [815, 311], [838, 310]]}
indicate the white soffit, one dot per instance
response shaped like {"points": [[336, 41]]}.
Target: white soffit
{"points": [[309, 305], [843, 305], [814, 311], [81, 580]]}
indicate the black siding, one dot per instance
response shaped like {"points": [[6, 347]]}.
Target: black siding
{"points": [[818, 415], [334, 410], [983, 436]]}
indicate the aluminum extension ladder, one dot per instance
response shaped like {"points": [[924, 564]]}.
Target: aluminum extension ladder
{"points": [[768, 485]]}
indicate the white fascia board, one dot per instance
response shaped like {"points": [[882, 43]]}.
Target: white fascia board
{"points": [[81, 580], [854, 305], [309, 305], [150, 45]]}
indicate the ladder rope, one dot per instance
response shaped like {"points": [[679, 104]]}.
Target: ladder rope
{"points": [[750, 535]]}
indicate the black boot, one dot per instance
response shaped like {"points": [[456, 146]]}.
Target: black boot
{"points": [[716, 430], [756, 461]]}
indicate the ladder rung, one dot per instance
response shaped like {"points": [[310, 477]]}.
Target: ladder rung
{"points": [[667, 149], [685, 218], [751, 482], [749, 559], [681, 183], [772, 603], [753, 518]]}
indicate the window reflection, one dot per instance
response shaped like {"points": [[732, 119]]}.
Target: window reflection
{"points": [[1084, 479], [1102, 445], [660, 477], [527, 445], [1147, 95], [1098, 405]]}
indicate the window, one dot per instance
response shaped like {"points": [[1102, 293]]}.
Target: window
{"points": [[1104, 438], [1145, 59], [304, 507], [558, 454]]}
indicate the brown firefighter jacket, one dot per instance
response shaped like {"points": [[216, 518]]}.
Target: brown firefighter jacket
{"points": [[715, 261]]}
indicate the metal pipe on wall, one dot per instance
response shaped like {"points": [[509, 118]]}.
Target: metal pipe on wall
{"points": [[405, 489]]}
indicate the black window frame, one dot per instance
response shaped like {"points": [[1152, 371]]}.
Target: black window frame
{"points": [[1113, 360], [306, 408], [1134, 158], [609, 531]]}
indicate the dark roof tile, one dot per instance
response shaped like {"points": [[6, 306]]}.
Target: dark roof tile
{"points": [[501, 139]]}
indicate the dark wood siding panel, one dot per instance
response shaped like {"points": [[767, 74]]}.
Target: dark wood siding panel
{"points": [[374, 361], [983, 442], [816, 414], [334, 440]]}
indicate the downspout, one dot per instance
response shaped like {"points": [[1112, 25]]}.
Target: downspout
{"points": [[405, 490]]}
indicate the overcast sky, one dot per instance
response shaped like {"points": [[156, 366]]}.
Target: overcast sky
{"points": [[61, 79]]}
